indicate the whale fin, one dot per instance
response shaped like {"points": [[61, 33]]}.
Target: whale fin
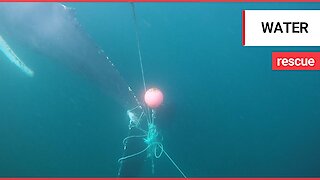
{"points": [[11, 55]]}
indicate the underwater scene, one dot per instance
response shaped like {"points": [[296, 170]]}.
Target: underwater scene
{"points": [[150, 90]]}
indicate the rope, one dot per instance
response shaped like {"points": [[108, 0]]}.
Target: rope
{"points": [[150, 116], [174, 164], [140, 56], [138, 44]]}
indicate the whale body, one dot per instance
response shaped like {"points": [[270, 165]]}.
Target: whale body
{"points": [[53, 30]]}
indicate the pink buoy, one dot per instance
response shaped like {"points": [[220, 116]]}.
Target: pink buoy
{"points": [[153, 97]]}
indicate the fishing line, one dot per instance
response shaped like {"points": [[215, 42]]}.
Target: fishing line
{"points": [[151, 133], [138, 44], [140, 56]]}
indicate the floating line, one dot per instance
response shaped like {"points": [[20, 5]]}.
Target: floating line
{"points": [[140, 57]]}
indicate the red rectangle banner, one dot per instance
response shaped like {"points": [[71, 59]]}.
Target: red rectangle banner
{"points": [[296, 61]]}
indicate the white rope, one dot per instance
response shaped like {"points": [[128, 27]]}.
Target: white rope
{"points": [[150, 116], [174, 163], [140, 56]]}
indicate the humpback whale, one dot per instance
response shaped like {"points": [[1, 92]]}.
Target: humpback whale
{"points": [[53, 30]]}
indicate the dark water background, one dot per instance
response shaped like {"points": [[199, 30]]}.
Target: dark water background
{"points": [[226, 113]]}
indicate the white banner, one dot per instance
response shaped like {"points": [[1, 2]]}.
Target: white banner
{"points": [[281, 28]]}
